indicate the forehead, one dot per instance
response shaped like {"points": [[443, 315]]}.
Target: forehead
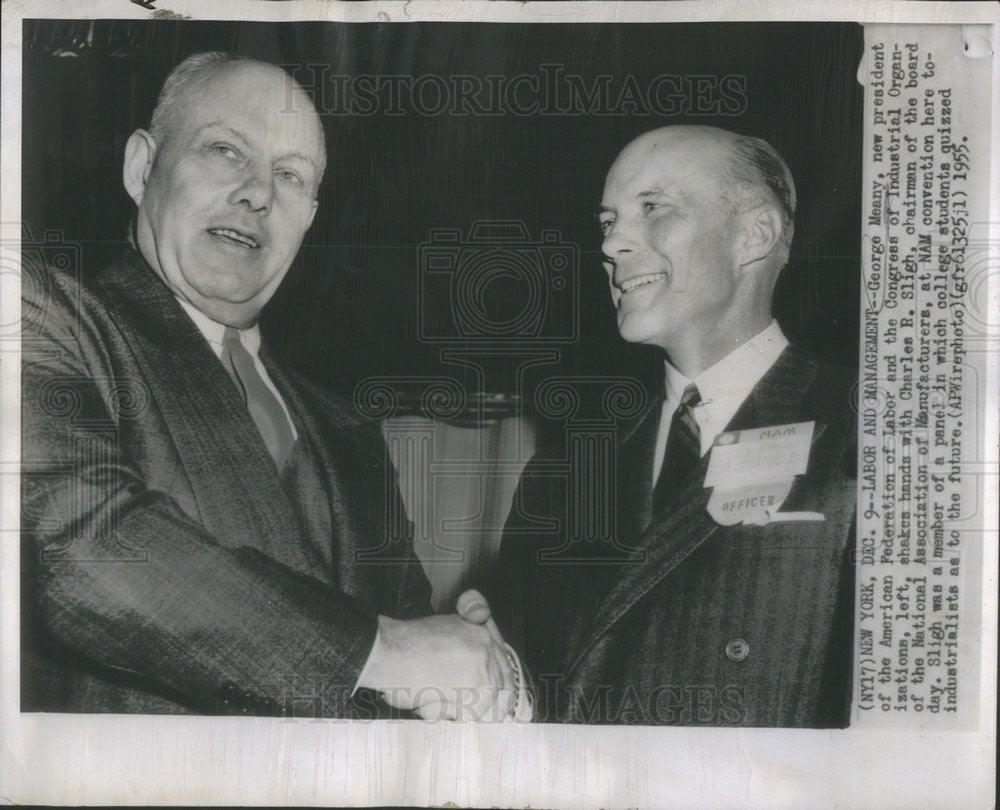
{"points": [[687, 166], [258, 101]]}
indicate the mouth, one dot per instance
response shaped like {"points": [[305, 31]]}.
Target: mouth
{"points": [[234, 237], [632, 284]]}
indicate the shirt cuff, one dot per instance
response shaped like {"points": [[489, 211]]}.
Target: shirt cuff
{"points": [[524, 708], [368, 662]]}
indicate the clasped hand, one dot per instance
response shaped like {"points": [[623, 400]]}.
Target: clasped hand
{"points": [[452, 667]]}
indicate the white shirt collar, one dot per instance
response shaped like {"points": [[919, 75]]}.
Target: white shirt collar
{"points": [[250, 338], [213, 330], [725, 385]]}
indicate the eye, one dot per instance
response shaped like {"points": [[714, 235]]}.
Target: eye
{"points": [[288, 176], [605, 224], [648, 206], [226, 151]]}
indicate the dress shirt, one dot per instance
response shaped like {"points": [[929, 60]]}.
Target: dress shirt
{"points": [[250, 338], [723, 388]]}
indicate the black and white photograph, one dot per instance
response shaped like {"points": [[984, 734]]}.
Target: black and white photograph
{"points": [[418, 398]]}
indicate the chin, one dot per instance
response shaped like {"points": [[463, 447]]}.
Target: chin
{"points": [[637, 330], [240, 316]]}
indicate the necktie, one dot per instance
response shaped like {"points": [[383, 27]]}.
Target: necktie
{"points": [[683, 448], [263, 405]]}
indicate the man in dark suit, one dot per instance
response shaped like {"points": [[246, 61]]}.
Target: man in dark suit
{"points": [[203, 530], [724, 593]]}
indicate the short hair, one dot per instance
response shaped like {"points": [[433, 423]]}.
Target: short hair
{"points": [[187, 76], [757, 174], [181, 80]]}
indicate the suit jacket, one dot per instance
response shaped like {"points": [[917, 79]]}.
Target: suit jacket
{"points": [[681, 620], [166, 565]]}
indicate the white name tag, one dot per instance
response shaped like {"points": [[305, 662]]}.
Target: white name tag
{"points": [[748, 458]]}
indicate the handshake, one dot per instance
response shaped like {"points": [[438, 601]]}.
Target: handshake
{"points": [[455, 667]]}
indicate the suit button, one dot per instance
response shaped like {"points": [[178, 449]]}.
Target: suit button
{"points": [[737, 649]]}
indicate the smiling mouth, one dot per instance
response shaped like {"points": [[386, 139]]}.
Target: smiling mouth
{"points": [[235, 237], [640, 281]]}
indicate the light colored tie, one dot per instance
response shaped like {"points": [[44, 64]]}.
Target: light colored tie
{"points": [[263, 405]]}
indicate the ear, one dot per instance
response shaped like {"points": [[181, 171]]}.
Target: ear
{"points": [[140, 151], [760, 232], [312, 214]]}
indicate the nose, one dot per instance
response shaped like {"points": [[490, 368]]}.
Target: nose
{"points": [[256, 192], [616, 245]]}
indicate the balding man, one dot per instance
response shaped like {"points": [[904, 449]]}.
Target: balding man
{"points": [[205, 531], [725, 596]]}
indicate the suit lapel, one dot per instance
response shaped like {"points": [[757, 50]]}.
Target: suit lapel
{"points": [[684, 523], [234, 481], [778, 397], [311, 440]]}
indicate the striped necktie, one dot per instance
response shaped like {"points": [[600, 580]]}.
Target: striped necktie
{"points": [[263, 405], [683, 448]]}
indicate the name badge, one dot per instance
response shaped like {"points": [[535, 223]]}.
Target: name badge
{"points": [[743, 458], [751, 472], [754, 505]]}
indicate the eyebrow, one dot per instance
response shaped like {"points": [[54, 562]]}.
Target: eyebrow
{"points": [[656, 191], [293, 155], [298, 156]]}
